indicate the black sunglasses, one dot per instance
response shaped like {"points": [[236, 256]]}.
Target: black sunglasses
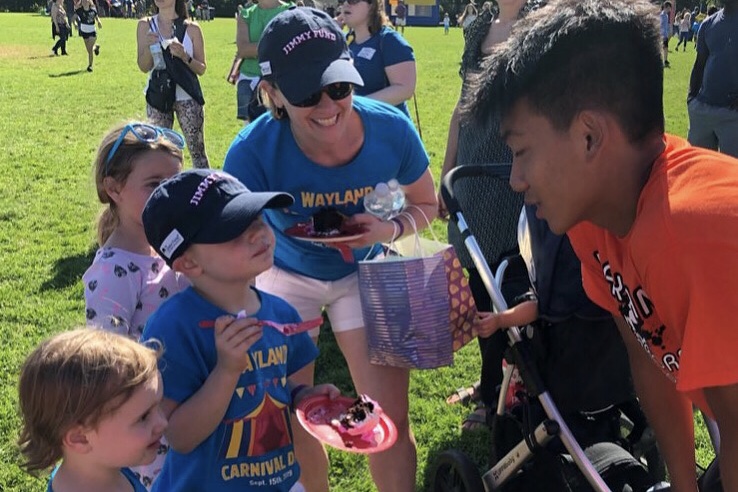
{"points": [[337, 91]]}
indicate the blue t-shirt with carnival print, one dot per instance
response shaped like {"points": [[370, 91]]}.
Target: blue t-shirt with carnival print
{"points": [[251, 449], [265, 157], [130, 476], [384, 49]]}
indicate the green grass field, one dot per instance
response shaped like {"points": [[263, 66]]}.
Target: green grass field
{"points": [[52, 117]]}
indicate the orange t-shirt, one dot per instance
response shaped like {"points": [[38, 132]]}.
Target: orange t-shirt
{"points": [[674, 276]]}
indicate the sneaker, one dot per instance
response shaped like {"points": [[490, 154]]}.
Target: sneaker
{"points": [[666, 64], [54, 53], [97, 49], [89, 69], [65, 53]]}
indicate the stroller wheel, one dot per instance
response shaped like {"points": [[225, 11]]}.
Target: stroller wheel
{"points": [[455, 472]]}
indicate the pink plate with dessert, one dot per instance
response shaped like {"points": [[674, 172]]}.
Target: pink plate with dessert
{"points": [[334, 422]]}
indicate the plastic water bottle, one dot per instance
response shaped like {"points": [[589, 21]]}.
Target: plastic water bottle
{"points": [[379, 202], [398, 196], [156, 53]]}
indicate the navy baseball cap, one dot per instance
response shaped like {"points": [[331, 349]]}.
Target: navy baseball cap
{"points": [[202, 206], [303, 50]]}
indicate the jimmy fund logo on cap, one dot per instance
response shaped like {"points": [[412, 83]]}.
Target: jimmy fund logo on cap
{"points": [[306, 36]]}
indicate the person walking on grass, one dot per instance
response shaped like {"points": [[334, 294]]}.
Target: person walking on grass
{"points": [[185, 50], [653, 220], [401, 16], [85, 18], [59, 18], [685, 27]]}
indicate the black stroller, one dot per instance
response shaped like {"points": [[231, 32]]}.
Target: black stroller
{"points": [[532, 447]]}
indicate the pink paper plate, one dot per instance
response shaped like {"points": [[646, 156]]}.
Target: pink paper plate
{"points": [[316, 412]]}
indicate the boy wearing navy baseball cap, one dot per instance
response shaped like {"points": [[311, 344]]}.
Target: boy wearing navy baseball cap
{"points": [[227, 375]]}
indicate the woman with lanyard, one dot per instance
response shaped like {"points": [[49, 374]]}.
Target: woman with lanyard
{"points": [[470, 143], [319, 143], [191, 51], [85, 17], [382, 56]]}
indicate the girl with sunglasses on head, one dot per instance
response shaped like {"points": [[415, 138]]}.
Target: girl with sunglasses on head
{"points": [[328, 148], [382, 56], [127, 280], [183, 47], [85, 17]]}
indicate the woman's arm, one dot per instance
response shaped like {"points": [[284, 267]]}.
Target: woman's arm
{"points": [[143, 40], [197, 63], [402, 79], [244, 47]]}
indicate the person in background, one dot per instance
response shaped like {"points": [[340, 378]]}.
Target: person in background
{"points": [[685, 27], [169, 21], [712, 100], [59, 18], [467, 16], [91, 399], [666, 32], [654, 221], [384, 59], [319, 141], [85, 18], [249, 26], [401, 16], [472, 143], [446, 23], [222, 367]]}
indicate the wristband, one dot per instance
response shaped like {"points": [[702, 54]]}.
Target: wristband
{"points": [[294, 393], [401, 227]]}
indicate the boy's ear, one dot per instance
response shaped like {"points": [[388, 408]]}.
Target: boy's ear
{"points": [[76, 441], [187, 265], [592, 131]]}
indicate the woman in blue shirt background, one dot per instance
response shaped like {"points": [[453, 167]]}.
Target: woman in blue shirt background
{"points": [[383, 58]]}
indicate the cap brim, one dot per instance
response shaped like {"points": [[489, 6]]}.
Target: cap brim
{"points": [[237, 216], [298, 86]]}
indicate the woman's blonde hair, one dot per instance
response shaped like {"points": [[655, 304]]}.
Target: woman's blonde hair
{"points": [[76, 377], [119, 168]]}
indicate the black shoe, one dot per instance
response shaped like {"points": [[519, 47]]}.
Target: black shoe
{"points": [[666, 64], [54, 52], [89, 69], [65, 53], [97, 49]]}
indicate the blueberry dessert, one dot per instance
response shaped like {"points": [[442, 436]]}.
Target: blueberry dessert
{"points": [[327, 222]]}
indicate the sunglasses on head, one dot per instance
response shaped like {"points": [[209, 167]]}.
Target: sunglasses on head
{"points": [[145, 133], [353, 2], [337, 91]]}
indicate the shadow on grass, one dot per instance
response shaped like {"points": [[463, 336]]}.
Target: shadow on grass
{"points": [[68, 271], [66, 74]]}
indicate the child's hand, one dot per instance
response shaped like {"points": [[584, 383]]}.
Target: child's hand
{"points": [[322, 389], [487, 323], [233, 339]]}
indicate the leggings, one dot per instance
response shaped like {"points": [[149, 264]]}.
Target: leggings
{"points": [[63, 33], [191, 119]]}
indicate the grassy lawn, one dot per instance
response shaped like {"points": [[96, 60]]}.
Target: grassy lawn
{"points": [[52, 117]]}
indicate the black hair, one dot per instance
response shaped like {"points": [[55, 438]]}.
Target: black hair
{"points": [[575, 55]]}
